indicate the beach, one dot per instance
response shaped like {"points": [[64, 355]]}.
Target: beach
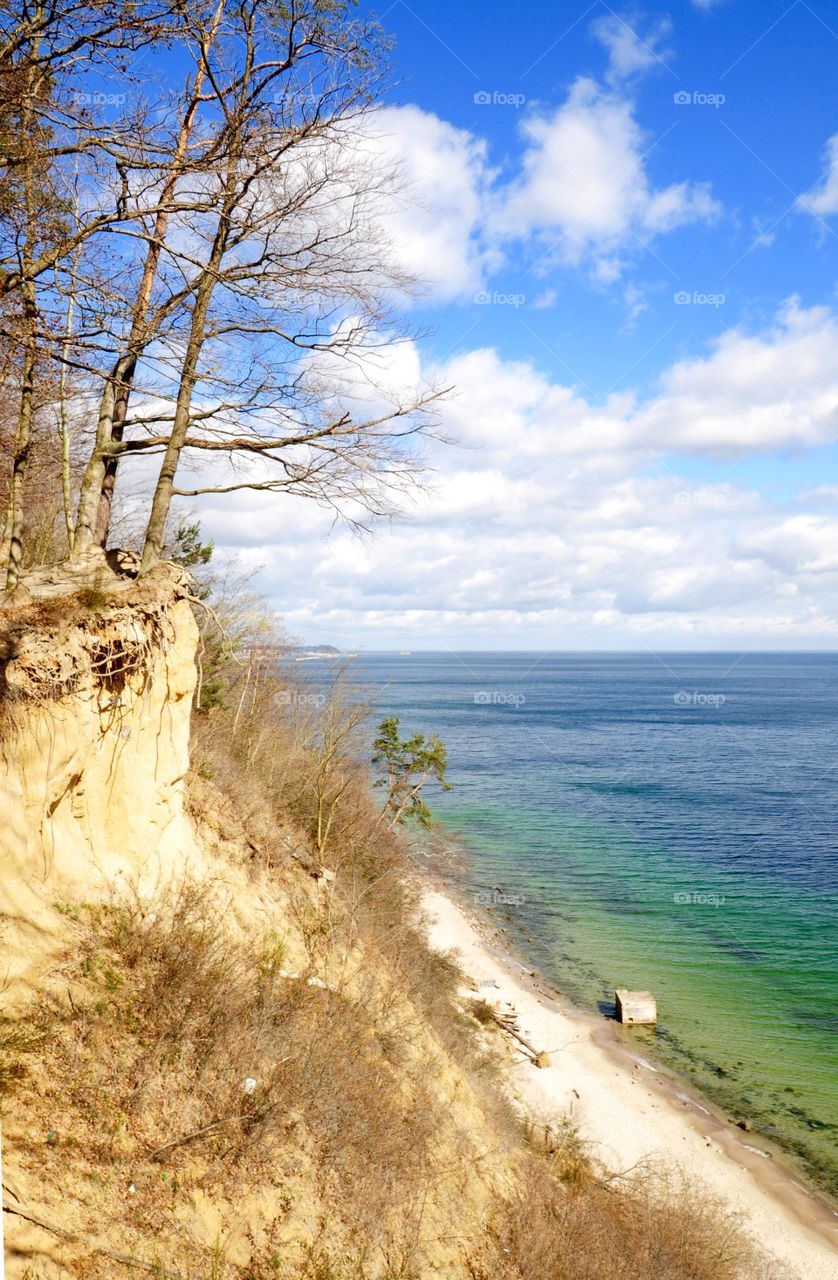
{"points": [[631, 1110]]}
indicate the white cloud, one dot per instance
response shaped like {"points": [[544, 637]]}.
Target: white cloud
{"points": [[801, 546], [434, 223], [545, 300], [560, 521], [769, 392], [582, 185], [631, 53], [635, 303], [584, 181], [774, 391], [822, 198]]}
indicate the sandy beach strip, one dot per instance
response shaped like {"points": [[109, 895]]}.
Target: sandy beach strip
{"points": [[630, 1109]]}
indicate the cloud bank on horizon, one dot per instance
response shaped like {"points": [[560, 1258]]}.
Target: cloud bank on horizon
{"points": [[686, 498]]}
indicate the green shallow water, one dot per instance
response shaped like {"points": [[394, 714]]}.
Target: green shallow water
{"points": [[671, 822], [739, 1015]]}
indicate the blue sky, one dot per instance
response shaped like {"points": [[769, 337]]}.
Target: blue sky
{"points": [[627, 219], [760, 148]]}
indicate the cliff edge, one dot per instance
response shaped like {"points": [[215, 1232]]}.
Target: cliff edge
{"points": [[227, 1050], [96, 685]]}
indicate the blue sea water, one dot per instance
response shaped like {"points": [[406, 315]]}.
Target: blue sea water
{"points": [[667, 822]]}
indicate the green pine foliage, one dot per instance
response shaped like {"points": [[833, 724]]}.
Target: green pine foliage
{"points": [[408, 766]]}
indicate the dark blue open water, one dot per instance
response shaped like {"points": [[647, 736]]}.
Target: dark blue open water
{"points": [[671, 823]]}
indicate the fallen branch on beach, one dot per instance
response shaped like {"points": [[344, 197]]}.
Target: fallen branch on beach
{"points": [[508, 1023]]}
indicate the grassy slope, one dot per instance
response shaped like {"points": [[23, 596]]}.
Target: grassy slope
{"points": [[263, 1072]]}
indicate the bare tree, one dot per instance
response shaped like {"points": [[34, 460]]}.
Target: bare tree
{"points": [[144, 326], [44, 48], [27, 202], [295, 271], [213, 283]]}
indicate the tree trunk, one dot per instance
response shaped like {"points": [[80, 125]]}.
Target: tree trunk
{"points": [[13, 531], [101, 479], [162, 501], [64, 425], [91, 485]]}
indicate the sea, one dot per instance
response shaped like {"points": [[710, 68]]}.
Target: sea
{"points": [[662, 822]]}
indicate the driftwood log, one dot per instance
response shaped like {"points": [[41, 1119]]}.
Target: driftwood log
{"points": [[507, 1022]]}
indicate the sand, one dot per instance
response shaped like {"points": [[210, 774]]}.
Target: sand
{"points": [[630, 1109]]}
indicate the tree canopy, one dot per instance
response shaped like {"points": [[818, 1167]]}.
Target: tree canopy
{"points": [[408, 766], [193, 277]]}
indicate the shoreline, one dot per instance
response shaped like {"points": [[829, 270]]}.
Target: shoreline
{"points": [[627, 1108]]}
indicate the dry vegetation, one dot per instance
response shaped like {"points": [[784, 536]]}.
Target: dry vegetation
{"points": [[183, 1060], [651, 1227], [310, 1095]]}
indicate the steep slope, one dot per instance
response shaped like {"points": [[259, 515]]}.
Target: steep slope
{"points": [[221, 1058], [95, 748], [120, 909]]}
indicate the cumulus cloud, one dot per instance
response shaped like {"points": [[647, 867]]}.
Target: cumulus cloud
{"points": [[773, 391], [822, 198], [559, 520], [631, 53], [801, 546], [582, 185], [584, 182], [434, 223]]}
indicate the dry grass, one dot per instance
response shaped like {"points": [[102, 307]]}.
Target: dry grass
{"points": [[17, 1041], [561, 1147], [656, 1225], [180, 1046], [270, 745], [186, 1061]]}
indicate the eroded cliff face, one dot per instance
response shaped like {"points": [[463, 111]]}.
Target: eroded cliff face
{"points": [[94, 722], [253, 1084]]}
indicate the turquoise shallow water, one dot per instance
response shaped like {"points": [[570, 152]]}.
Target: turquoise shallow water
{"points": [[668, 823]]}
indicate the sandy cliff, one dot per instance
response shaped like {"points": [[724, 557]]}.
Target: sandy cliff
{"points": [[95, 749], [219, 1058], [95, 818]]}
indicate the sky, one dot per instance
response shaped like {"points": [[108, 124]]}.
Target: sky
{"points": [[627, 221]]}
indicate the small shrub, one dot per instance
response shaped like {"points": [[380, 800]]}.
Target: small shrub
{"points": [[273, 954], [92, 598], [653, 1226], [561, 1146], [17, 1041], [482, 1012]]}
